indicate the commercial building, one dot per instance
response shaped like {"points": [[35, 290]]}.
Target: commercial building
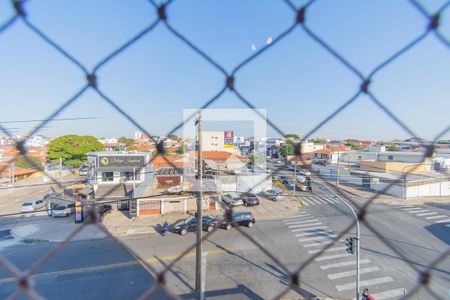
{"points": [[218, 141], [119, 174], [36, 141]]}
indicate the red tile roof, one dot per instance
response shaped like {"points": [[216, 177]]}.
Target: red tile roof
{"points": [[323, 151], [216, 155]]}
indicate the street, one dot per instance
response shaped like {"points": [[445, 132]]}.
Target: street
{"points": [[237, 268]]}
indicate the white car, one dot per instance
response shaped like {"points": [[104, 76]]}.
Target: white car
{"points": [[32, 205], [304, 172], [63, 210], [232, 199]]}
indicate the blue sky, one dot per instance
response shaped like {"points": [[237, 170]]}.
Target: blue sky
{"points": [[296, 80]]}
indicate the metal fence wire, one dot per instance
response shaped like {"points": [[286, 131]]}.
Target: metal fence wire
{"points": [[299, 22]]}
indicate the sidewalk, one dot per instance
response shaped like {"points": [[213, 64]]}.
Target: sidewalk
{"points": [[119, 224], [388, 199], [41, 227]]}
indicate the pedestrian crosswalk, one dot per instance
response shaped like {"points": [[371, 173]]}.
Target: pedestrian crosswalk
{"points": [[326, 199], [338, 265], [427, 214]]}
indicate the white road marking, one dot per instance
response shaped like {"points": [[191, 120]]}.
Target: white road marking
{"points": [[418, 211], [426, 214], [332, 249], [305, 202], [315, 232], [344, 264], [334, 256], [388, 294], [329, 237], [334, 200], [310, 228], [411, 208], [352, 285], [436, 217], [297, 216], [353, 272], [302, 222], [442, 221], [314, 200], [325, 199]]}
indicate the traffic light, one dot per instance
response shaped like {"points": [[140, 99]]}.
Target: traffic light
{"points": [[350, 246]]}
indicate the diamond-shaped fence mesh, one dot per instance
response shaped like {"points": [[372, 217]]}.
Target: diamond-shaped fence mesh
{"points": [[299, 22]]}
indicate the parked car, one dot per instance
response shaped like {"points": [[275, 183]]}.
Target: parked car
{"points": [[123, 205], [232, 199], [290, 167], [284, 180], [83, 171], [238, 218], [104, 209], [32, 205], [304, 172], [63, 210], [250, 199], [273, 194], [190, 224]]}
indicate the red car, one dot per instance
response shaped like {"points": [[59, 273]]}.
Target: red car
{"points": [[250, 199]]}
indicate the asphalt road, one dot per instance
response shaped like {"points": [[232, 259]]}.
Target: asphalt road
{"points": [[236, 268]]}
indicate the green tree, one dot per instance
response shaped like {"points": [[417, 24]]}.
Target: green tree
{"points": [[174, 137], [256, 158], [393, 147], [353, 146], [73, 149], [292, 135], [317, 141], [23, 163], [126, 141], [286, 149], [182, 149]]}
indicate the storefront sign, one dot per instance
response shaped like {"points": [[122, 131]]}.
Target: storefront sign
{"points": [[121, 161], [228, 139], [78, 212]]}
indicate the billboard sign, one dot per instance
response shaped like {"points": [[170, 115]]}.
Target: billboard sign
{"points": [[238, 139], [228, 140], [121, 161]]}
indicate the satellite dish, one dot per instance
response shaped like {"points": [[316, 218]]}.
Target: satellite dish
{"points": [[253, 47], [269, 40]]}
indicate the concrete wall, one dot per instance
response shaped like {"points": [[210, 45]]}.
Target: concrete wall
{"points": [[357, 156], [404, 157], [213, 141], [244, 183], [394, 166], [436, 189]]}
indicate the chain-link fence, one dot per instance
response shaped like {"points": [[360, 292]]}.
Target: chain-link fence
{"points": [[299, 22]]}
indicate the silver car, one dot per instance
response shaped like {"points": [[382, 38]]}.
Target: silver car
{"points": [[63, 210], [232, 199], [32, 205], [274, 194]]}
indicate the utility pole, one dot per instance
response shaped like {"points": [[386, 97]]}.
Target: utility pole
{"points": [[295, 176], [337, 170], [198, 250]]}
